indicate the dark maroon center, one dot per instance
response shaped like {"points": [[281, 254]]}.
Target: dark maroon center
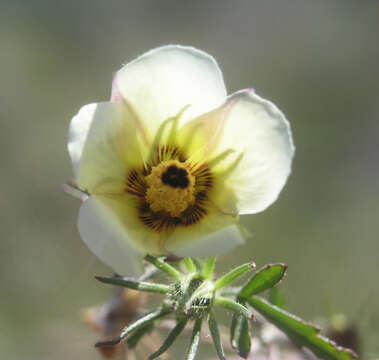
{"points": [[175, 177]]}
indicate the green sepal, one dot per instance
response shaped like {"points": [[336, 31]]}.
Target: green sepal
{"points": [[185, 289], [264, 279], [301, 332]]}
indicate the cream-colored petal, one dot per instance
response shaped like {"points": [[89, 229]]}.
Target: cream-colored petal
{"points": [[214, 235], [199, 137], [124, 210], [162, 82], [213, 244], [104, 236], [109, 147], [257, 139]]}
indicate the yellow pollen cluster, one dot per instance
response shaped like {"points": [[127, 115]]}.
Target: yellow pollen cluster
{"points": [[170, 187]]}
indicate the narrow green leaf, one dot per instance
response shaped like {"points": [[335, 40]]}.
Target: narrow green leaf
{"points": [[189, 265], [209, 267], [138, 335], [213, 327], [232, 275], [144, 321], [175, 332], [244, 341], [235, 330], [134, 284], [264, 279], [195, 339], [164, 267], [240, 334], [232, 305], [301, 332]]}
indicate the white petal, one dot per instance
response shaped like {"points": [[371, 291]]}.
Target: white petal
{"points": [[103, 235], [163, 81], [78, 132], [261, 137], [104, 143], [214, 235]]}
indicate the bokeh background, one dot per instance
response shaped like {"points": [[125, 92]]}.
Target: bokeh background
{"points": [[317, 60]]}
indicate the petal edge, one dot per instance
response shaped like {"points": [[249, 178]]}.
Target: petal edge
{"points": [[104, 237]]}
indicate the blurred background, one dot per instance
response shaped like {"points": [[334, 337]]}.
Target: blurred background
{"points": [[317, 60]]}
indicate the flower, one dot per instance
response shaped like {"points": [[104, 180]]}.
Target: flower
{"points": [[171, 161]]}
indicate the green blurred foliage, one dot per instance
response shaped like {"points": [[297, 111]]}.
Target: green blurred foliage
{"points": [[317, 60]]}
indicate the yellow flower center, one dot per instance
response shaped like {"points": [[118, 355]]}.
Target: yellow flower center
{"points": [[170, 187]]}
